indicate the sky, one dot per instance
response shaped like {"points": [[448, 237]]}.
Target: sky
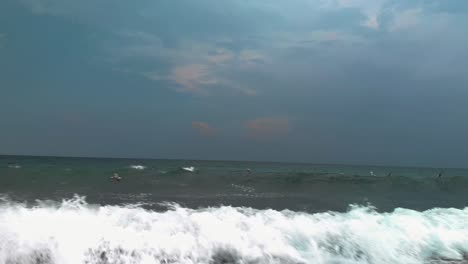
{"points": [[324, 81]]}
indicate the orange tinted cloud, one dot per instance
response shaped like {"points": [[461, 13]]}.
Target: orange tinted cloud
{"points": [[204, 128], [192, 77], [267, 128]]}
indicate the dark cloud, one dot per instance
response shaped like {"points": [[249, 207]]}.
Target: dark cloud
{"points": [[362, 81]]}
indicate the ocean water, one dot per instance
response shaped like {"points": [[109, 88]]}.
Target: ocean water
{"points": [[67, 210]]}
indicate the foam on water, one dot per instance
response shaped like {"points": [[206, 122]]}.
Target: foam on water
{"points": [[76, 232], [243, 188], [138, 167]]}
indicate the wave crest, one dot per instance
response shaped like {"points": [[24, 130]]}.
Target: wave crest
{"points": [[75, 232], [138, 167]]}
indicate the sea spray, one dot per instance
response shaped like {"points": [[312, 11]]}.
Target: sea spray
{"points": [[76, 232]]}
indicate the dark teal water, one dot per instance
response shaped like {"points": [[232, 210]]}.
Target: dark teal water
{"points": [[67, 211], [298, 187]]}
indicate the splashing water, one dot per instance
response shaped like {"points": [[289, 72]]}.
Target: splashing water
{"points": [[76, 232], [138, 167]]}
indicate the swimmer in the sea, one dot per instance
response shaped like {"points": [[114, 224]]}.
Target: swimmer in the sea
{"points": [[116, 178]]}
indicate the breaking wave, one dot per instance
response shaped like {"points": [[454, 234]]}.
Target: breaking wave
{"points": [[73, 231], [138, 167]]}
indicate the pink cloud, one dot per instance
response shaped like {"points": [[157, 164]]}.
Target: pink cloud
{"points": [[267, 128], [191, 77], [204, 128]]}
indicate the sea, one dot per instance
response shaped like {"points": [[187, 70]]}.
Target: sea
{"points": [[68, 210]]}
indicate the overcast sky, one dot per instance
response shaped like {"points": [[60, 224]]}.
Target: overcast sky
{"points": [[324, 81]]}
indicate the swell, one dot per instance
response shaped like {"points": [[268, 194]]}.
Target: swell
{"points": [[266, 186], [78, 177]]}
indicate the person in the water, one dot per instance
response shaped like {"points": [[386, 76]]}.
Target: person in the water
{"points": [[116, 178]]}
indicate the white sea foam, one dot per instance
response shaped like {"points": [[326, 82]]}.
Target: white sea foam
{"points": [[138, 167], [243, 188], [75, 232], [190, 169]]}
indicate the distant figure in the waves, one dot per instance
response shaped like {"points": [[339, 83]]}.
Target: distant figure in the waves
{"points": [[440, 175], [116, 178], [12, 165], [248, 171], [389, 174]]}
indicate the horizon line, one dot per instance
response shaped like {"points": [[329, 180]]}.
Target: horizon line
{"points": [[226, 160]]}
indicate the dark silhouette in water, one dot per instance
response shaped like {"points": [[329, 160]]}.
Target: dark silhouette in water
{"points": [[440, 174], [116, 178]]}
